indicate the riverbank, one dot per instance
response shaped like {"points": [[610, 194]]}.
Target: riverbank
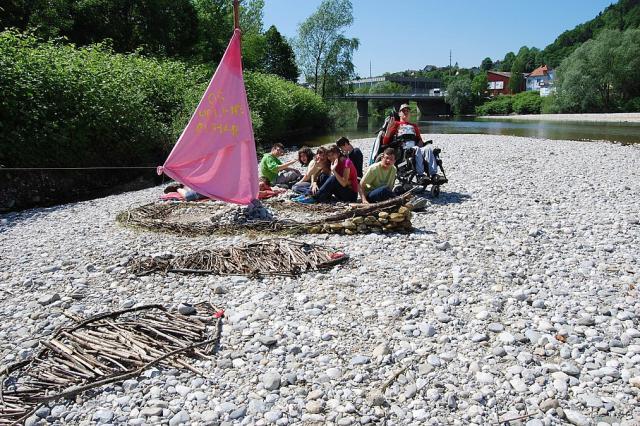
{"points": [[627, 117], [517, 295]]}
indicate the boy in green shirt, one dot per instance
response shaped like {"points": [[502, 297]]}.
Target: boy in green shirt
{"points": [[274, 170], [377, 184]]}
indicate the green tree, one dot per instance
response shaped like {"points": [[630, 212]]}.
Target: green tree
{"points": [[321, 40], [251, 15], [254, 43], [279, 58], [505, 64], [159, 26], [386, 87], [523, 56], [623, 15], [602, 74], [254, 50], [530, 57], [50, 18], [215, 26], [460, 95], [479, 86], [15, 14], [338, 66], [516, 82], [486, 64]]}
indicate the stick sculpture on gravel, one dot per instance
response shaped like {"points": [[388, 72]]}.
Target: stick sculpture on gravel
{"points": [[270, 257], [104, 349]]}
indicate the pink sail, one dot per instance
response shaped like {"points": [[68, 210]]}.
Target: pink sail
{"points": [[216, 153]]}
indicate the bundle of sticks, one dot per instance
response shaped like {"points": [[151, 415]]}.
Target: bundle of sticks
{"points": [[104, 349], [196, 220], [317, 209], [262, 258]]}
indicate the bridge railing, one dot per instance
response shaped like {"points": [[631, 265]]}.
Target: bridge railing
{"points": [[398, 96]]}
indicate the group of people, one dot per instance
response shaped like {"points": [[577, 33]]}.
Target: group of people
{"points": [[336, 172], [330, 172]]}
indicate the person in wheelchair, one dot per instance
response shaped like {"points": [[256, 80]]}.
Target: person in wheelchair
{"points": [[407, 136]]}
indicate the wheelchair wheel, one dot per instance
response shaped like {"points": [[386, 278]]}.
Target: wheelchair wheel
{"points": [[435, 191]]}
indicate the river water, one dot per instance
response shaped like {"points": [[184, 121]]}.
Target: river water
{"points": [[613, 132]]}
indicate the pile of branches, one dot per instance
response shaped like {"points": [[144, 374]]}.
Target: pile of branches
{"points": [[167, 217], [160, 217], [269, 257], [103, 349], [316, 209]]}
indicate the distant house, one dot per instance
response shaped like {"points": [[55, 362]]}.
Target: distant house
{"points": [[541, 80], [498, 83]]}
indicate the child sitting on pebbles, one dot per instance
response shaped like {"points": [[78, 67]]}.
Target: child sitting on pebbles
{"points": [[276, 172], [318, 170], [342, 184]]}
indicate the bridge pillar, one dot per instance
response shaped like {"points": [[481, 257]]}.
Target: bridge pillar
{"points": [[423, 109], [363, 113], [432, 108]]}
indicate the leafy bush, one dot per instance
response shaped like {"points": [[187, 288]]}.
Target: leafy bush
{"points": [[632, 105], [527, 103], [282, 106], [501, 105], [522, 103], [64, 106], [549, 105]]}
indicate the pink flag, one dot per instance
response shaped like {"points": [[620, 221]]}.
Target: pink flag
{"points": [[216, 153]]}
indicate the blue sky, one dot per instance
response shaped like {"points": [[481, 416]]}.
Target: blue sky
{"points": [[409, 34]]}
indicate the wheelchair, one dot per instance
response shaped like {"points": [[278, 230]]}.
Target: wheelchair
{"points": [[405, 152]]}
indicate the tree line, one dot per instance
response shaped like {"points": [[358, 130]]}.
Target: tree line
{"points": [[196, 31], [114, 82], [600, 75]]}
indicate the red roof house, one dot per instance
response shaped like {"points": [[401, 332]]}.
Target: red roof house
{"points": [[498, 83], [542, 80]]}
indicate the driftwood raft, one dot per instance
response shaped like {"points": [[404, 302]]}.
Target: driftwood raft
{"points": [[268, 257], [104, 349], [320, 218]]}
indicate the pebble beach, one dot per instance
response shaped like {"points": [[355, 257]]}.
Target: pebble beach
{"points": [[515, 301]]}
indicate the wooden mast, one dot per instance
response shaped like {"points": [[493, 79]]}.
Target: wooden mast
{"points": [[236, 14]]}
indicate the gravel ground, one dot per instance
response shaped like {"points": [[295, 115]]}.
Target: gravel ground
{"points": [[517, 296], [626, 117]]}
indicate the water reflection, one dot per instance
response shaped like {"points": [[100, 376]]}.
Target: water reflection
{"points": [[615, 132]]}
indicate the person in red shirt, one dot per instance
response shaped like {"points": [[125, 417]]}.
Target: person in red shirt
{"points": [[407, 131], [403, 128], [342, 184]]}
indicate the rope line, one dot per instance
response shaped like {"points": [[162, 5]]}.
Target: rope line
{"points": [[13, 169]]}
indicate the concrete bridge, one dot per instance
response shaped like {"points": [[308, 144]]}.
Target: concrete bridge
{"points": [[428, 104]]}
